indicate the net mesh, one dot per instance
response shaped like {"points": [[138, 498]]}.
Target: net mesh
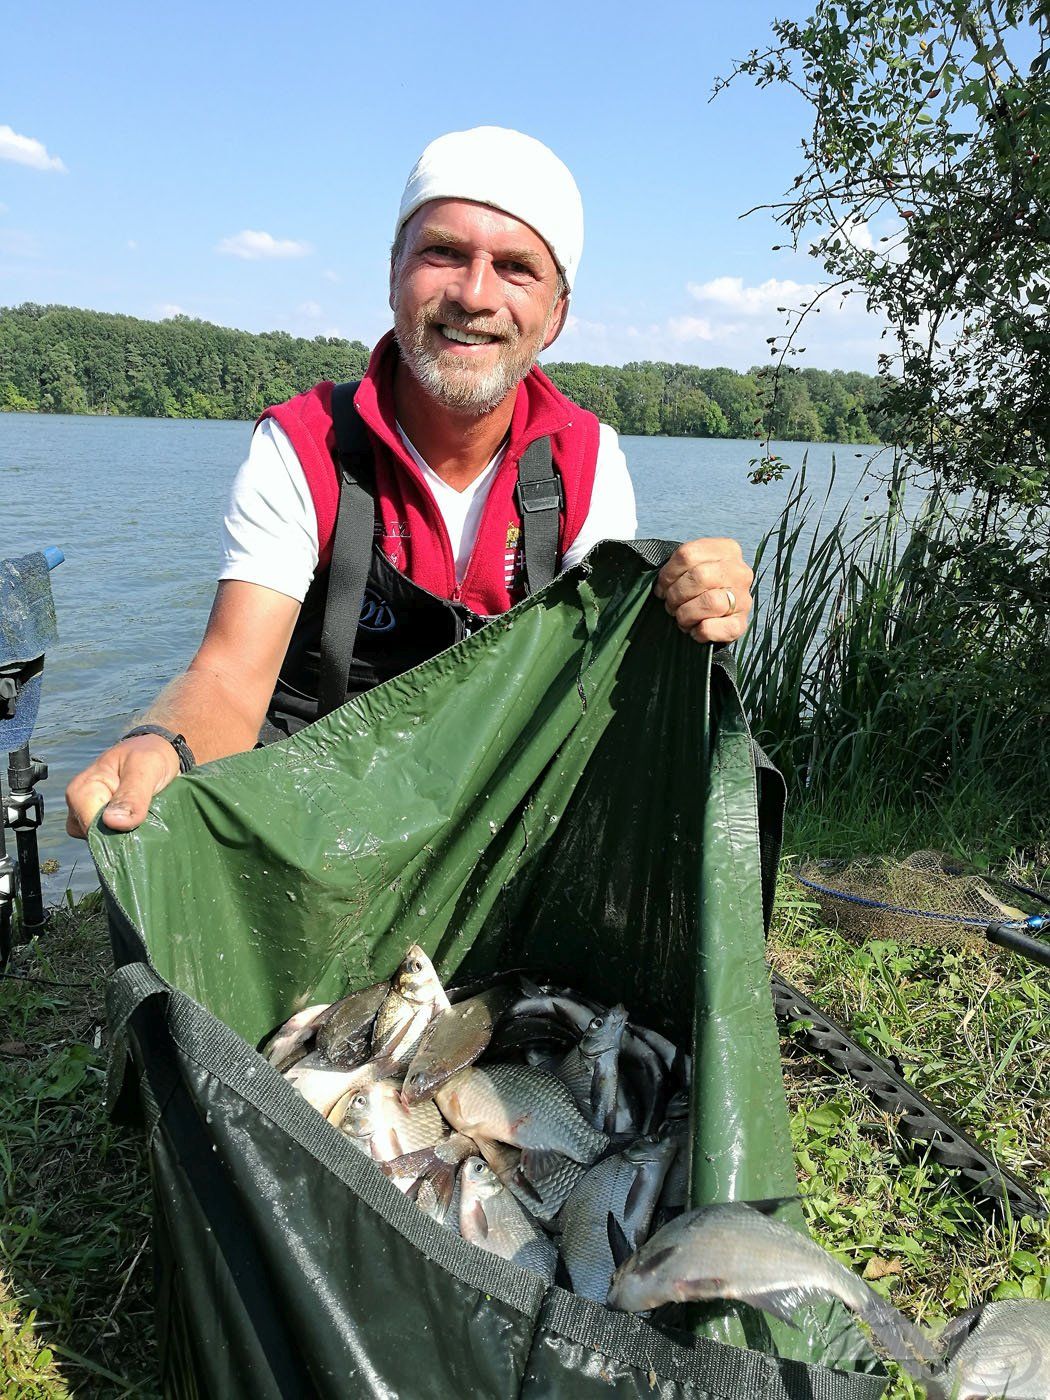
{"points": [[923, 884]]}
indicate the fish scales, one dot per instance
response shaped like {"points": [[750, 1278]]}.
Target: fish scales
{"points": [[626, 1187], [491, 1218], [521, 1106], [1000, 1349], [733, 1251]]}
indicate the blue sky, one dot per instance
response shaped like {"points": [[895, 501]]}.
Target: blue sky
{"points": [[139, 144]]}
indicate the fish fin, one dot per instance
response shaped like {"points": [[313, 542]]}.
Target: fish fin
{"points": [[442, 1180], [631, 1203], [529, 987], [524, 1185], [538, 1163], [475, 1222], [770, 1204], [618, 1241], [902, 1340]]}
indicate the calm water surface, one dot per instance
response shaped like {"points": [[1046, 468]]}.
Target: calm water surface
{"points": [[136, 503]]}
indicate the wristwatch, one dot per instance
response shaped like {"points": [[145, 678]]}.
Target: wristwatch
{"points": [[177, 742]]}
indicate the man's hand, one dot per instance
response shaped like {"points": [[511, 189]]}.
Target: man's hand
{"points": [[123, 780], [704, 586]]}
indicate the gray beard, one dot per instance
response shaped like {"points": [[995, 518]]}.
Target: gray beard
{"points": [[453, 384]]}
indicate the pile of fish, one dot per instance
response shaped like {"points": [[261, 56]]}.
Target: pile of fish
{"points": [[553, 1132], [534, 1122]]}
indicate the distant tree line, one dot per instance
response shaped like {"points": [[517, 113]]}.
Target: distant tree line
{"points": [[57, 359]]}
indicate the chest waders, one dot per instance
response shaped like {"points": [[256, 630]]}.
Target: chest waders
{"points": [[363, 621]]}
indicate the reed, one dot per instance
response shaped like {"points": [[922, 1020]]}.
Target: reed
{"points": [[898, 664]]}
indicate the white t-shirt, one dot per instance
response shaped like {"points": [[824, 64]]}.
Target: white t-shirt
{"points": [[269, 533]]}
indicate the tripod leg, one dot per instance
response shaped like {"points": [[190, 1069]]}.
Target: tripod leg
{"points": [[24, 811]]}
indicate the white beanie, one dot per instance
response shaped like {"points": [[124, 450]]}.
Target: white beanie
{"points": [[509, 171]]}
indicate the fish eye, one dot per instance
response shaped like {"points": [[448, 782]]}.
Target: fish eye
{"points": [[360, 1100], [478, 1168], [415, 965], [597, 1023]]}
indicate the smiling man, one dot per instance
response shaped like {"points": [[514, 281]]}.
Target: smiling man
{"points": [[373, 525]]}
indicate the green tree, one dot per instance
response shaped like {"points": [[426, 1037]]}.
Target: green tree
{"points": [[931, 123]]}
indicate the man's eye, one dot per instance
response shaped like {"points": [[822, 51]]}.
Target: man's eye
{"points": [[438, 250], [516, 269]]}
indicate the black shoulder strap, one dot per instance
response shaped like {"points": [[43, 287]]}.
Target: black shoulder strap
{"points": [[351, 548], [540, 498]]}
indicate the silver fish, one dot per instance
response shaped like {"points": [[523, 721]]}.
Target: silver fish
{"points": [[323, 1084], [415, 997], [374, 1115], [453, 1040], [291, 1043], [521, 1106], [491, 1218], [1000, 1349], [590, 1070], [734, 1251], [624, 1188]]}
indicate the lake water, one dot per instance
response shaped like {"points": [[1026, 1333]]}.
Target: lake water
{"points": [[135, 503]]}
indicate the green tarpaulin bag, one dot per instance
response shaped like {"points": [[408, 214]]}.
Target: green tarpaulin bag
{"points": [[571, 789]]}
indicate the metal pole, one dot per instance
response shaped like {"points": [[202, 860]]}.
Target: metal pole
{"points": [[8, 889], [23, 813]]}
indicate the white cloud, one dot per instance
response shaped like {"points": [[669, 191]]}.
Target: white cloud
{"points": [[330, 275], [252, 244], [132, 245], [25, 150], [169, 309], [730, 294], [685, 328], [311, 309]]}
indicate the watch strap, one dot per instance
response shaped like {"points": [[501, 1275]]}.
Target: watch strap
{"points": [[177, 742]]}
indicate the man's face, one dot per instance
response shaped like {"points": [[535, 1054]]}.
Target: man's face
{"points": [[475, 296]]}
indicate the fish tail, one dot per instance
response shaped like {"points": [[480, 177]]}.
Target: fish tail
{"points": [[902, 1340]]}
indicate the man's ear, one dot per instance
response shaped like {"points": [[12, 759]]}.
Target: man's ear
{"points": [[558, 319]]}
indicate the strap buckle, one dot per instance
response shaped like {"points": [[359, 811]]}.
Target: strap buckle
{"points": [[547, 494]]}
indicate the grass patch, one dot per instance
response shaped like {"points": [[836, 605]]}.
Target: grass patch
{"points": [[75, 1292], [971, 1027]]}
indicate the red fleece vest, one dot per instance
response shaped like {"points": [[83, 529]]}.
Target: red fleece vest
{"points": [[414, 537]]}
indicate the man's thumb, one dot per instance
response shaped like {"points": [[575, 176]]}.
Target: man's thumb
{"points": [[128, 806]]}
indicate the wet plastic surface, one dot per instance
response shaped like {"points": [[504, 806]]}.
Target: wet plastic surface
{"points": [[572, 788]]}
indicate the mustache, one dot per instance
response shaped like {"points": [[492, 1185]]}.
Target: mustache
{"points": [[471, 325]]}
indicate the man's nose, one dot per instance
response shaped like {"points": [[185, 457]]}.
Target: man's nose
{"points": [[477, 287]]}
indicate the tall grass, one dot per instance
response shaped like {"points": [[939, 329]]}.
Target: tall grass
{"points": [[898, 667]]}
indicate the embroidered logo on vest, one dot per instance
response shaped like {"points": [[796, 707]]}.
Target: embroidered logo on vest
{"points": [[512, 559], [376, 613]]}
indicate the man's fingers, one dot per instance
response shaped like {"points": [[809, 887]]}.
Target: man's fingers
{"points": [[689, 556], [720, 629], [711, 606], [701, 580], [122, 782]]}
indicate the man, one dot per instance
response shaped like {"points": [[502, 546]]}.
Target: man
{"points": [[486, 248]]}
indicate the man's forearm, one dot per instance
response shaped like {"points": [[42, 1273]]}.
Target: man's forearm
{"points": [[204, 707]]}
